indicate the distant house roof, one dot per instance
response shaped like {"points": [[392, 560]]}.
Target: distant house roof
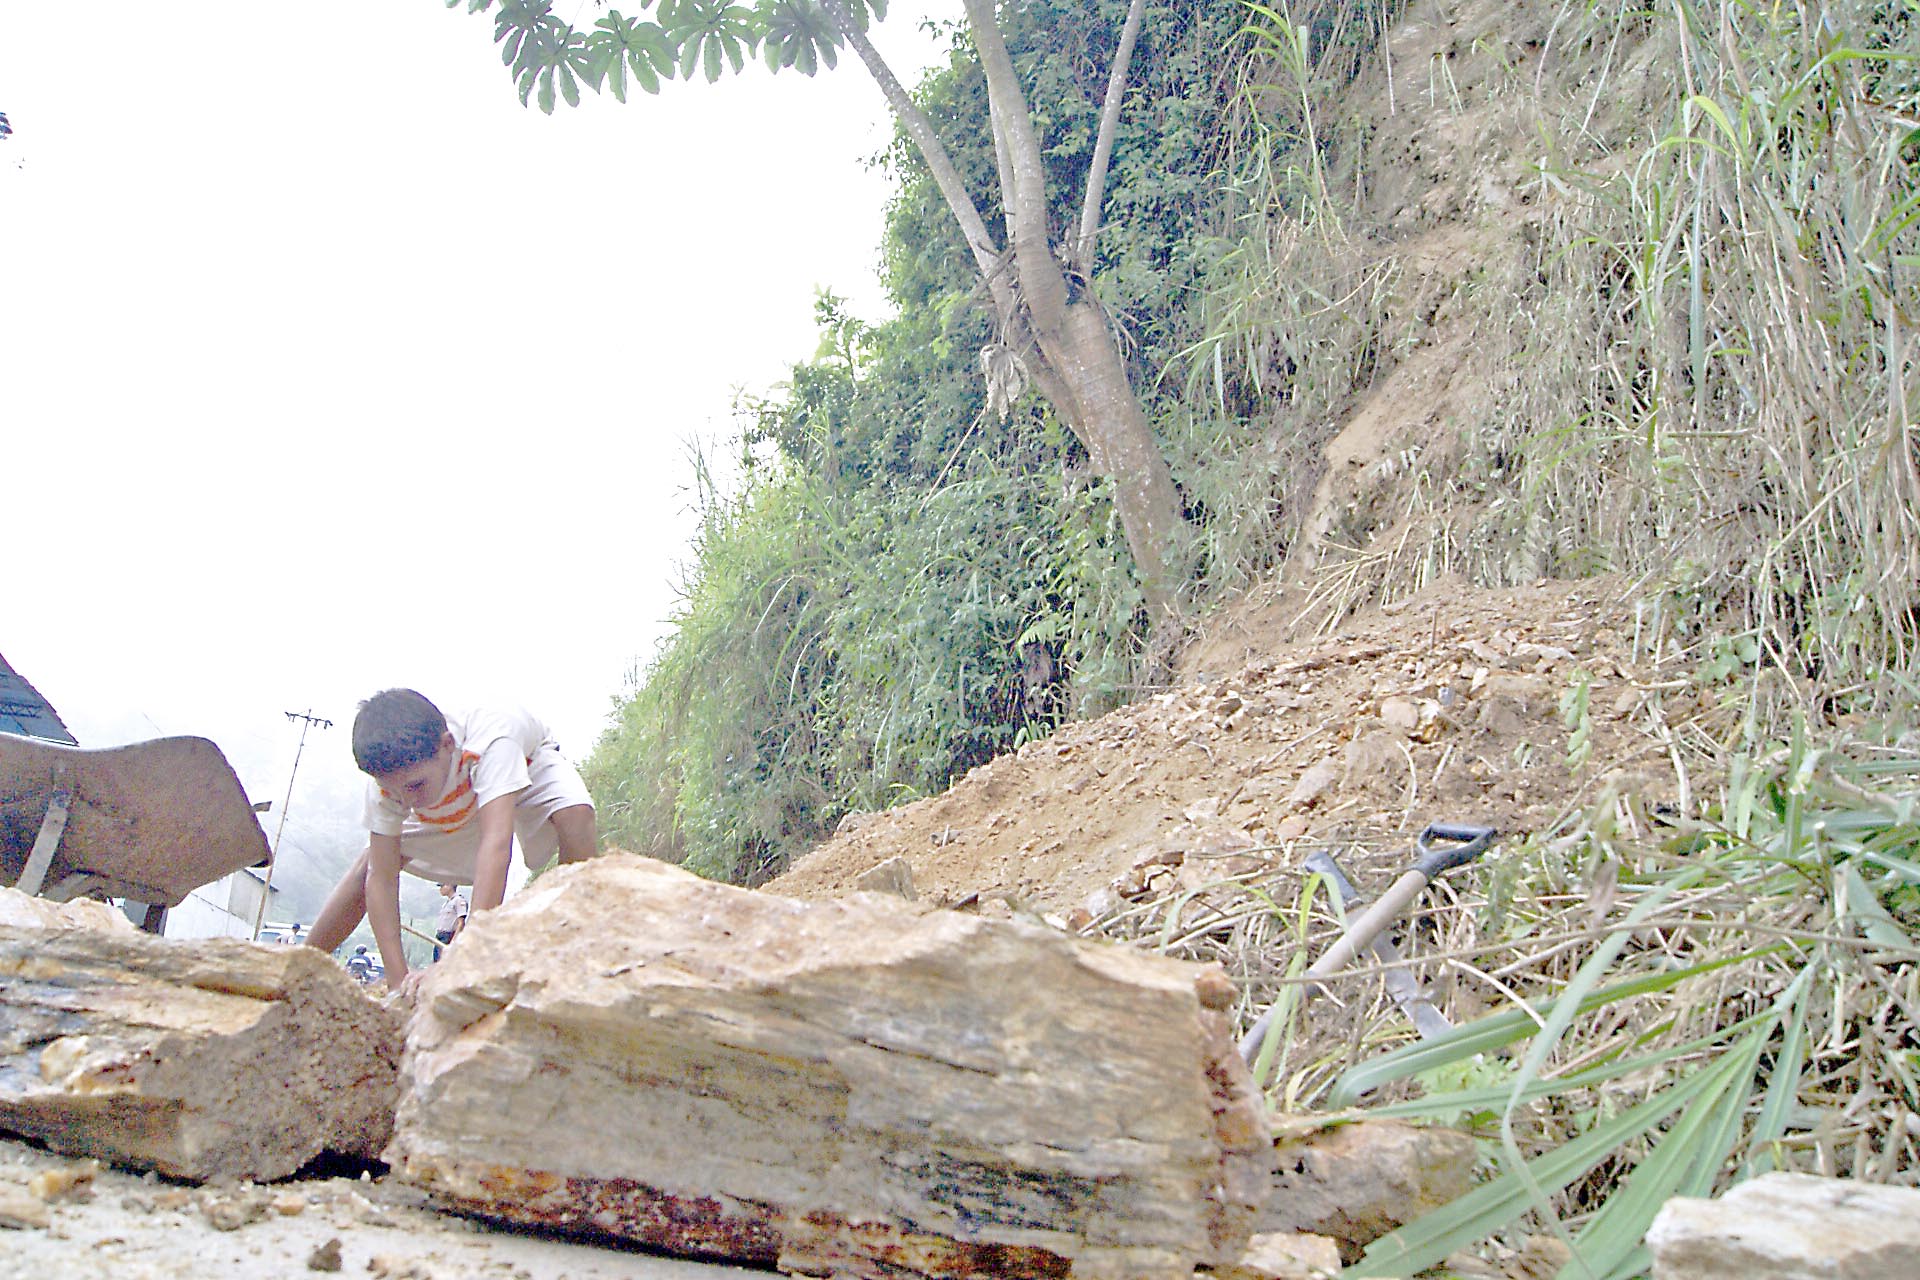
{"points": [[24, 711]]}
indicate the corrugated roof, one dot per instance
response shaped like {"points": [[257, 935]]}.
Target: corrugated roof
{"points": [[24, 711]]}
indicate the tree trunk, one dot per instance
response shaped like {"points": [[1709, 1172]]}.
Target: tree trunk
{"points": [[1088, 386], [1076, 365], [1105, 413]]}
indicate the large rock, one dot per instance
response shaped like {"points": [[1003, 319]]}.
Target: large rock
{"points": [[202, 1060], [847, 1087], [28, 912], [1356, 1182], [1790, 1226]]}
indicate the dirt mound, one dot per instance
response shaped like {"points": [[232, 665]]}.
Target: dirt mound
{"points": [[1509, 708]]}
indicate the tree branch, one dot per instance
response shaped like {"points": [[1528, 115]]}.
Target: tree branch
{"points": [[1042, 284], [945, 176], [1082, 258]]}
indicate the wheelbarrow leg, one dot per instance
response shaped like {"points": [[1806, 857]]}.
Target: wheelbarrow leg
{"points": [[34, 874]]}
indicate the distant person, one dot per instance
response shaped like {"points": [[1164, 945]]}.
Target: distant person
{"points": [[448, 796], [360, 965], [453, 916]]}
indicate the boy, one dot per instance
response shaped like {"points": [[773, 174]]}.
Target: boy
{"points": [[448, 796]]}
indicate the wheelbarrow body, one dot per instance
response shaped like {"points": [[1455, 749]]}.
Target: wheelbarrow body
{"points": [[151, 821]]}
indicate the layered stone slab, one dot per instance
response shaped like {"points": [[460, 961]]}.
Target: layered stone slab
{"points": [[850, 1087], [202, 1060], [1790, 1226]]}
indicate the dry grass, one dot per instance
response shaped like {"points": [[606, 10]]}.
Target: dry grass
{"points": [[1641, 1008]]}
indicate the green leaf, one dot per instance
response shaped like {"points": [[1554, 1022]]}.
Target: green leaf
{"points": [[1492, 1097], [1486, 1034], [1492, 1205], [1783, 1087], [1699, 1139], [797, 34], [1859, 901]]}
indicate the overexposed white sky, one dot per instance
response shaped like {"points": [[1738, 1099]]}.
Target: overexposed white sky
{"points": [[326, 366]]}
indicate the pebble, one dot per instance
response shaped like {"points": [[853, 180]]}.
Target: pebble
{"points": [[325, 1257], [20, 1209]]}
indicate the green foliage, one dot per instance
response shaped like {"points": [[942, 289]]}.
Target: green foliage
{"points": [[690, 37], [1709, 339], [621, 45], [1577, 718], [1692, 1021], [844, 650]]}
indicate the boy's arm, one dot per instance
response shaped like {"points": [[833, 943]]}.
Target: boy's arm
{"points": [[496, 850], [383, 904]]}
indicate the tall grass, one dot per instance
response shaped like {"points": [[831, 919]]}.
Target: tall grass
{"points": [[1673, 1007], [840, 651], [1716, 365]]}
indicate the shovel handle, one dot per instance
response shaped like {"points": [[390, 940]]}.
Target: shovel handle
{"points": [[1463, 845]]}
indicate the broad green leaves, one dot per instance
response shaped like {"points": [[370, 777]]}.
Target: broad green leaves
{"points": [[708, 33], [798, 35], [542, 52], [689, 37], [620, 45]]}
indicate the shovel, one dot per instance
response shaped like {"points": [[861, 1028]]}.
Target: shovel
{"points": [[1442, 847]]}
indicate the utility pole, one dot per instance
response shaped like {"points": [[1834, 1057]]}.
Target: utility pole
{"points": [[308, 720]]}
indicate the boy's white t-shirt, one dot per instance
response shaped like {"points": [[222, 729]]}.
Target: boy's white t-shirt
{"points": [[492, 747]]}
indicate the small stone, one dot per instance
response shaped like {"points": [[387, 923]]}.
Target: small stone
{"points": [[289, 1204], [1290, 828], [325, 1257], [69, 1181], [1313, 782], [1356, 1182], [20, 1209], [894, 876], [1285, 1255], [230, 1213], [1401, 714]]}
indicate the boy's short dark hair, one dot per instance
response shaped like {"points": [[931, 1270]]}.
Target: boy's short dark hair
{"points": [[394, 729]]}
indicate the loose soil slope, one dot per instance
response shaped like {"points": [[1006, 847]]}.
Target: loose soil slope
{"points": [[1456, 705]]}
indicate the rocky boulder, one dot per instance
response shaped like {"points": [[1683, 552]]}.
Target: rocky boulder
{"points": [[848, 1087], [202, 1060], [1790, 1226]]}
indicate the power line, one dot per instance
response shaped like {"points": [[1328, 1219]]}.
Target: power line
{"points": [[308, 720]]}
